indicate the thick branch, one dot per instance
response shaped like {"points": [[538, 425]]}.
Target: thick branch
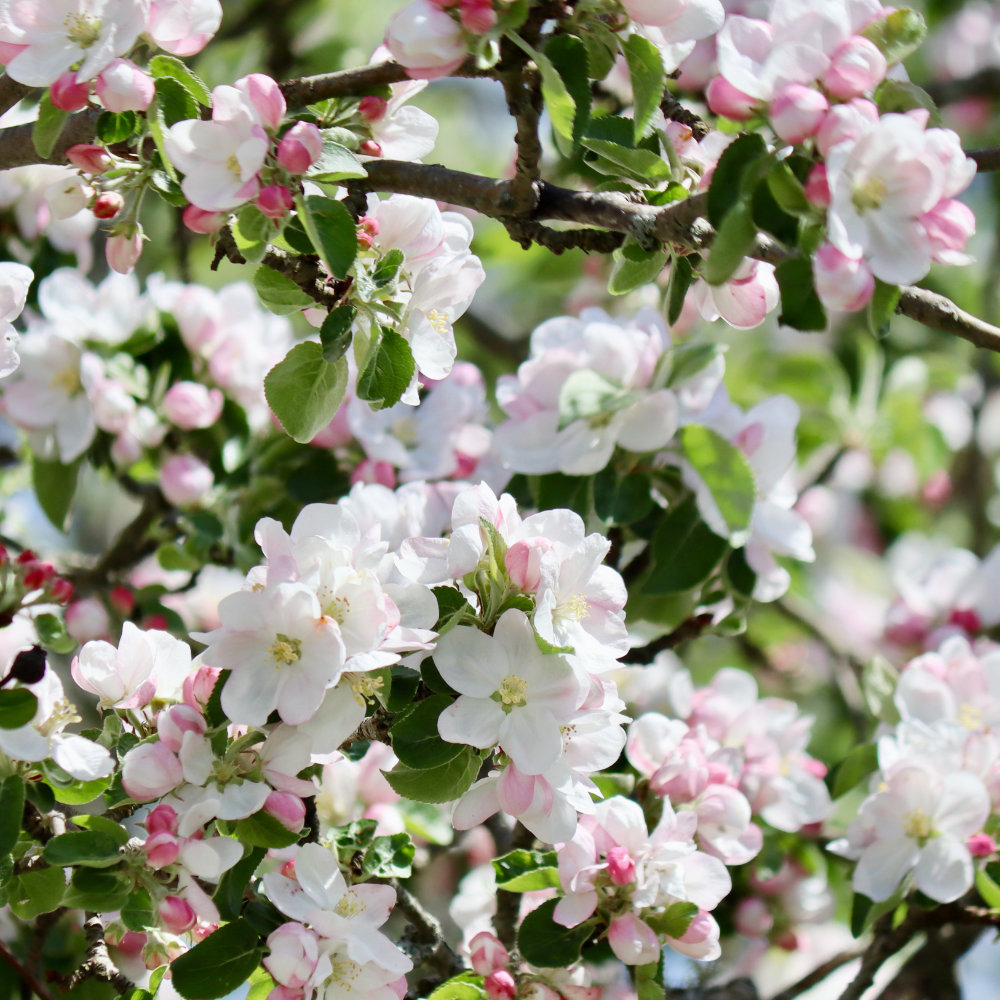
{"points": [[98, 964], [17, 149], [986, 159], [11, 92], [424, 941], [940, 313]]}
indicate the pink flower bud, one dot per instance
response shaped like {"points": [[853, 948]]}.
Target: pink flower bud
{"points": [[275, 201], [161, 850], [797, 111], [173, 722], [724, 99], [856, 67], [68, 95], [39, 575], [198, 687], [87, 619], [487, 953], [370, 471], [701, 939], [981, 845], [162, 819], [200, 221], [122, 86], [500, 985], [285, 992], [817, 186], [369, 147], [753, 918], [949, 226], [524, 561], [265, 96], [842, 283], [425, 40], [108, 205], [122, 600], [289, 810], [844, 122], [89, 158], [190, 405], [621, 867], [149, 771], [177, 915], [967, 620], [124, 249], [300, 147], [632, 940], [61, 590], [372, 109], [185, 480], [294, 952], [477, 16]]}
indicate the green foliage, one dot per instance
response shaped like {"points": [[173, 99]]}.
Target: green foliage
{"points": [[163, 67], [436, 784], [92, 848], [685, 551], [17, 707], [336, 162], [415, 739], [11, 812], [218, 964], [304, 390], [331, 230], [525, 871], [898, 34], [727, 474], [279, 293], [646, 73], [54, 485], [48, 127], [388, 370], [800, 305], [545, 943]]}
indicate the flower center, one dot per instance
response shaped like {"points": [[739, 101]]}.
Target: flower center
{"points": [[344, 972], [62, 715], [365, 687], [66, 379], [573, 610], [233, 166], [82, 29], [869, 194], [405, 431], [970, 716], [335, 607], [349, 905], [438, 320], [285, 650], [513, 692], [918, 825]]}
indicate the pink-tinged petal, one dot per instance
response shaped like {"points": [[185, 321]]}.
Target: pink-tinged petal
{"points": [[944, 871], [319, 875], [882, 867], [575, 908], [532, 739], [633, 941], [476, 805]]}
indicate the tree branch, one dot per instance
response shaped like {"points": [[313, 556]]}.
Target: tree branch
{"points": [[26, 975], [98, 964], [818, 974], [986, 159], [985, 83]]}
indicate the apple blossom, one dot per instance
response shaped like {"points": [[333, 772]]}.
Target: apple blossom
{"points": [[425, 40]]}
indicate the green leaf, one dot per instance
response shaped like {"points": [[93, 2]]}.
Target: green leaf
{"points": [[649, 980], [304, 391], [545, 943], [788, 191], [388, 267], [335, 333], [336, 162], [332, 231], [726, 187], [558, 101], [137, 914], [415, 739], [853, 769], [33, 893], [727, 474], [465, 986], [525, 871], [54, 485], [988, 889], [621, 161], [228, 897], [800, 305], [163, 67], [261, 985], [218, 964], [92, 848], [251, 232], [645, 68], [263, 830], [175, 102], [17, 708], [115, 127], [633, 266], [685, 551], [102, 824], [48, 127], [688, 360], [899, 96], [882, 307], [388, 370], [436, 784], [453, 609], [586, 394], [52, 634], [69, 790], [97, 888], [389, 857], [278, 293], [897, 35], [622, 499], [11, 812], [675, 920], [733, 241], [568, 55], [681, 277]]}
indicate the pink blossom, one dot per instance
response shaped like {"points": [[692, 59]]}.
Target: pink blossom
{"points": [[161, 850], [185, 480], [294, 952], [176, 720], [425, 40], [487, 953], [477, 16], [797, 111], [726, 100], [300, 147], [949, 227], [288, 809], [275, 201], [744, 300], [845, 123], [89, 158], [632, 940], [107, 205], [87, 619], [177, 915], [149, 771], [816, 187], [122, 86], [123, 249], [161, 819], [191, 405], [856, 68], [198, 220], [183, 27], [842, 282]]}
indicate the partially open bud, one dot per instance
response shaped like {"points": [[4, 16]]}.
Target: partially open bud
{"points": [[68, 95], [177, 915], [89, 158]]}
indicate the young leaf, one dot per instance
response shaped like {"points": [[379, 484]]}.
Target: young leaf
{"points": [[898, 34], [800, 305], [228, 897], [733, 241], [304, 391], [263, 830], [545, 943], [645, 69], [622, 499], [685, 551], [558, 101], [331, 229], [882, 307], [569, 56], [91, 848], [48, 127], [388, 370], [11, 810], [335, 333], [853, 769], [639, 165], [38, 891], [389, 857], [681, 277], [415, 739], [436, 784], [167, 67], [467, 986], [54, 485], [17, 708], [278, 293], [726, 187], [634, 267], [727, 474], [116, 127], [218, 964], [525, 871], [335, 163]]}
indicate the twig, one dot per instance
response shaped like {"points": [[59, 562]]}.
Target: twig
{"points": [[690, 628], [26, 975], [986, 159], [522, 88], [985, 83], [98, 964], [820, 973], [940, 313]]}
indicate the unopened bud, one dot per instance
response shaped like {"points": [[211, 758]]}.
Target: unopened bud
{"points": [[68, 95], [108, 205]]}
